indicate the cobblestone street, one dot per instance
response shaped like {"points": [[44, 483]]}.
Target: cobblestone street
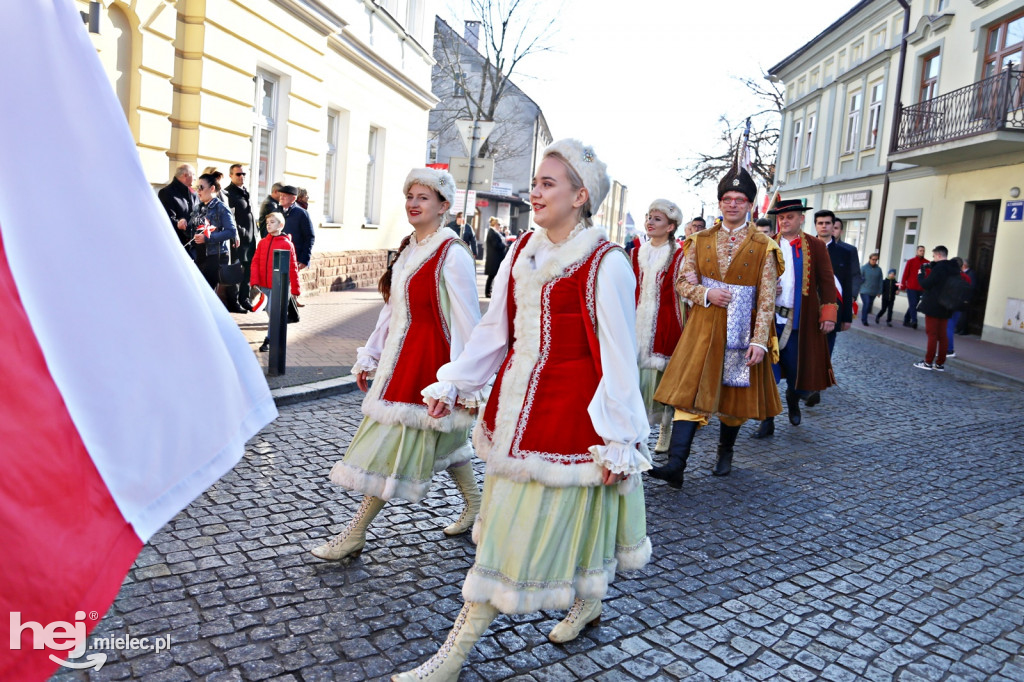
{"points": [[879, 540]]}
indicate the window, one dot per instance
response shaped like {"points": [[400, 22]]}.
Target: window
{"points": [[941, 5], [858, 53], [830, 65], [1004, 45], [432, 147], [794, 152], [331, 166], [855, 233], [878, 39], [841, 64], [852, 123], [460, 84], [263, 133], [815, 78], [801, 87], [809, 141], [929, 76], [373, 152], [874, 116]]}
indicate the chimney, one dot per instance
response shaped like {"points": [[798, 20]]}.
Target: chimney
{"points": [[472, 34]]}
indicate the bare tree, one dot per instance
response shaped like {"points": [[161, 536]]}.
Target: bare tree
{"points": [[762, 144]]}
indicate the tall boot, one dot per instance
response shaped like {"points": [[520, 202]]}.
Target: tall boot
{"points": [[726, 440], [678, 453], [793, 404], [584, 612], [665, 435], [766, 429], [462, 474], [350, 541], [444, 666]]}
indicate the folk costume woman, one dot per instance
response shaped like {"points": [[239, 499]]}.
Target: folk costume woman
{"points": [[659, 311], [564, 432], [431, 306]]}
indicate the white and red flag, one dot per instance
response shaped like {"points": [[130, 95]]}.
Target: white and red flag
{"points": [[125, 388]]}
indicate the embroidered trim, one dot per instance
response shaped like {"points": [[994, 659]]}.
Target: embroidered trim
{"points": [[649, 305]]}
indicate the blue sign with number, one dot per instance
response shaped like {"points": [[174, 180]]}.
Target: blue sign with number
{"points": [[1014, 211]]}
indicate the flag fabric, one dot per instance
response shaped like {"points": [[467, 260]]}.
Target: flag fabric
{"points": [[746, 159], [116, 414]]}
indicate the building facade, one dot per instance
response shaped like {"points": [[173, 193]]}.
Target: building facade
{"points": [[329, 96], [946, 167]]}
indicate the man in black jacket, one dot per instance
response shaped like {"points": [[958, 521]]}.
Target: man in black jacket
{"points": [[494, 252], [298, 226], [245, 222], [272, 204], [179, 201], [933, 277], [845, 266]]}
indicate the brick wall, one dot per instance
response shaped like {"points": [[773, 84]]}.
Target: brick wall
{"points": [[339, 270]]}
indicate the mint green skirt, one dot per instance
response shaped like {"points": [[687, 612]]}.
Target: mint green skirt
{"points": [[649, 380], [540, 547], [395, 461]]}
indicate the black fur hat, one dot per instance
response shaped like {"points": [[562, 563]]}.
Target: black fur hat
{"points": [[738, 181]]}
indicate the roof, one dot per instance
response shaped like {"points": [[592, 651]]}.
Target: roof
{"points": [[833, 27]]}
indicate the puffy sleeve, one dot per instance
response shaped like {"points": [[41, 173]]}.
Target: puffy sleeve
{"points": [[368, 356], [617, 408]]}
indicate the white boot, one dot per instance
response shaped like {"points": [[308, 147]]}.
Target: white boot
{"points": [[665, 435], [584, 612], [445, 665], [462, 474], [350, 541]]}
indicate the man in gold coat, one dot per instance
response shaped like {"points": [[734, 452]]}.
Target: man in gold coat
{"points": [[722, 364]]}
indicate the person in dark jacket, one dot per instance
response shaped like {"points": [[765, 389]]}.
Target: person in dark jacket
{"points": [[272, 204], [889, 288], [245, 222], [871, 276], [845, 268], [298, 226], [932, 277], [179, 201], [214, 229], [494, 252]]}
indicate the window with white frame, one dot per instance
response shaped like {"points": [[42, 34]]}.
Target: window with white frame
{"points": [[855, 233], [432, 146], [878, 39], [857, 56], [263, 133], [941, 6], [331, 166], [371, 207], [874, 116], [809, 141], [794, 152], [852, 123]]}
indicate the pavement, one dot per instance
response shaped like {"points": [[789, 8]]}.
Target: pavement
{"points": [[879, 540]]}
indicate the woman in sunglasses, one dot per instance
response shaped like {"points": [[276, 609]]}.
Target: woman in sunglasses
{"points": [[214, 226]]}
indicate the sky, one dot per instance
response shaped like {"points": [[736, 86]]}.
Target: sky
{"points": [[645, 81]]}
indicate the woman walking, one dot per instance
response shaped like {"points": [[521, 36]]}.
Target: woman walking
{"points": [[564, 433], [431, 306]]}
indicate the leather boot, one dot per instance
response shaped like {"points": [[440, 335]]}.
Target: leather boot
{"points": [[813, 398], [766, 429], [726, 441], [462, 474], [665, 435], [793, 403], [584, 612], [444, 666], [350, 542], [678, 453]]}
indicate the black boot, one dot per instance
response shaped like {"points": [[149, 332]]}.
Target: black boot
{"points": [[678, 452], [766, 429], [793, 403], [726, 440], [813, 398]]}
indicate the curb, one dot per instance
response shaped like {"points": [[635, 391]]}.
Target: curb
{"points": [[290, 395], [990, 374]]}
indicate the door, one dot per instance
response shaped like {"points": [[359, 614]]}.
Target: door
{"points": [[983, 242]]}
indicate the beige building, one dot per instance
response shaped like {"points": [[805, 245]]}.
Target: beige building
{"points": [[948, 170], [332, 96]]}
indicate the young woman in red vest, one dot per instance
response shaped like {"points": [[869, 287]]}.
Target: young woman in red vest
{"points": [[564, 432], [431, 306], [659, 311]]}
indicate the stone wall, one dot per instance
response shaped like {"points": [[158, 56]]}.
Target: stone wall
{"points": [[339, 270]]}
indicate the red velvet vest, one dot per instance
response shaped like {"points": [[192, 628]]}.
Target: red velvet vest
{"points": [[668, 322], [554, 424], [427, 342]]}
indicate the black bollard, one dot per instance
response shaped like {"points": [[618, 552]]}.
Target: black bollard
{"points": [[277, 330]]}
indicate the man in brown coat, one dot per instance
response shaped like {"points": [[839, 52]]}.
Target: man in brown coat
{"points": [[719, 366], [805, 312]]}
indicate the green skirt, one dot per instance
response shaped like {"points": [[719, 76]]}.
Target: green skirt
{"points": [[539, 547], [395, 461], [649, 380]]}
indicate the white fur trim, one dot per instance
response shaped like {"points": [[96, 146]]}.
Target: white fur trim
{"points": [[591, 169], [634, 558], [620, 458], [389, 487], [651, 274], [386, 412], [438, 180], [508, 596]]}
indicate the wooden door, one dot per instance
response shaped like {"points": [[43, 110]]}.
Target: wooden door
{"points": [[983, 242]]}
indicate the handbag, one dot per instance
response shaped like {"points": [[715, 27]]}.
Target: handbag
{"points": [[293, 310], [231, 274]]}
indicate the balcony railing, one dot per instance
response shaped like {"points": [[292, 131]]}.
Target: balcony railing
{"points": [[995, 103]]}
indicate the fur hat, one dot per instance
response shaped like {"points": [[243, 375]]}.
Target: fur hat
{"points": [[670, 210], [591, 169], [439, 180], [738, 181]]}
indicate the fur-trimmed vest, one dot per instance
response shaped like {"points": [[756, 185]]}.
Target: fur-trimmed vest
{"points": [[659, 315], [418, 342], [536, 426]]}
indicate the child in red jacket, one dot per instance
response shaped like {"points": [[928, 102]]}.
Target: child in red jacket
{"points": [[262, 271]]}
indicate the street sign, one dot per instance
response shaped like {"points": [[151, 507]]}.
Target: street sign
{"points": [[465, 127], [1014, 211], [502, 189], [467, 207], [483, 172]]}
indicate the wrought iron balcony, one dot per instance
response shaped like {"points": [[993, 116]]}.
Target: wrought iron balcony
{"points": [[991, 105]]}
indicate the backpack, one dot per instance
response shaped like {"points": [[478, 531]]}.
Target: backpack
{"points": [[956, 293]]}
